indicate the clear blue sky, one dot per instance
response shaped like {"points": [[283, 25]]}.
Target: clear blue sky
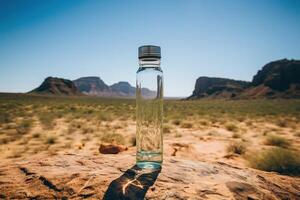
{"points": [[71, 39]]}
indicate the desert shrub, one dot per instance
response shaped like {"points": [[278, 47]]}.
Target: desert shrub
{"points": [[249, 123], [5, 118], [112, 137], [176, 122], [241, 118], [4, 140], [51, 140], [237, 148], [213, 133], [282, 123], [36, 135], [76, 125], [278, 160], [117, 126], [177, 135], [105, 116], [265, 133], [167, 128], [186, 125], [86, 129], [204, 123], [231, 127], [46, 119], [236, 135], [24, 126], [276, 140], [297, 134]]}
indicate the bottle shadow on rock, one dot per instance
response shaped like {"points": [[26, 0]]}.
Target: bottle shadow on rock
{"points": [[133, 184]]}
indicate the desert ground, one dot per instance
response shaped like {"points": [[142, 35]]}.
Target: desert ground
{"points": [[263, 135]]}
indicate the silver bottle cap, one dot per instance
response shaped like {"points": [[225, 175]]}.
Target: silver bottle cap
{"points": [[149, 51]]}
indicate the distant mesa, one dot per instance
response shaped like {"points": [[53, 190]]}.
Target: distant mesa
{"points": [[208, 87], [91, 85], [277, 79], [57, 86], [95, 86], [123, 88]]}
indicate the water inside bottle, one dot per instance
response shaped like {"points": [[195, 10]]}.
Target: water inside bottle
{"points": [[149, 118]]}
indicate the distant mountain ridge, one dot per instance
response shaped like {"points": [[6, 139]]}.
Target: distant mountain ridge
{"points": [[277, 79], [91, 85], [95, 86]]}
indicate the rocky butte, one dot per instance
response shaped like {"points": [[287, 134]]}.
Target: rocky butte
{"points": [[277, 79], [56, 86]]}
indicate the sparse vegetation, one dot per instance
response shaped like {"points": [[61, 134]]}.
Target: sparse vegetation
{"points": [[166, 129], [237, 147], [51, 140], [231, 127], [176, 122], [186, 125], [277, 160], [36, 135], [204, 122], [42, 123], [112, 137], [282, 122], [46, 119], [276, 140], [24, 126], [178, 135], [236, 135]]}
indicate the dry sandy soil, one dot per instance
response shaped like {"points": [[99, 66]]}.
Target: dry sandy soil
{"points": [[232, 144]]}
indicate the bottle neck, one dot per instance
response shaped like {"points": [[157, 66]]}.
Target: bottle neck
{"points": [[149, 62]]}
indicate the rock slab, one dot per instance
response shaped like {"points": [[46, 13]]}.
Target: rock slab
{"points": [[77, 176]]}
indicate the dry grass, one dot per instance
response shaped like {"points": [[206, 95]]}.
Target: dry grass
{"points": [[51, 140], [276, 140], [58, 123], [176, 122], [186, 125], [277, 160], [36, 135], [236, 135], [47, 119], [112, 137], [297, 134], [178, 135], [24, 126], [231, 127], [237, 148], [282, 122], [166, 129]]}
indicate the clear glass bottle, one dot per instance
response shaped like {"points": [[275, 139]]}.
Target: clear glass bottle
{"points": [[149, 108]]}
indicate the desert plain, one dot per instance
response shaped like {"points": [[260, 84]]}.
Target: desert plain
{"points": [[260, 137]]}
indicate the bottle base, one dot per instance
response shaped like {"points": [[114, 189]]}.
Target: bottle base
{"points": [[148, 165]]}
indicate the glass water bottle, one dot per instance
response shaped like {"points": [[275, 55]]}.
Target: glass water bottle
{"points": [[149, 108]]}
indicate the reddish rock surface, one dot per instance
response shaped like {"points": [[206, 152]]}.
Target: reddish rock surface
{"points": [[74, 176], [111, 148]]}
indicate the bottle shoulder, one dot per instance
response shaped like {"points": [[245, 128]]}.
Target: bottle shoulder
{"points": [[148, 69]]}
